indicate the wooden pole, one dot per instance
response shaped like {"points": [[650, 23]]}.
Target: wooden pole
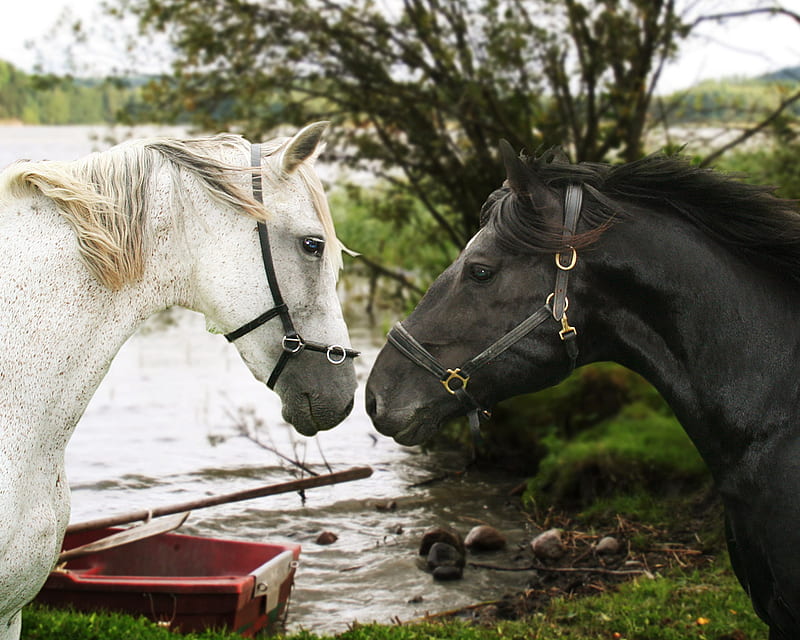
{"points": [[354, 473]]}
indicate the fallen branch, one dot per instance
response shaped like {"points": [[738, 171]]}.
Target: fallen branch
{"points": [[532, 567], [450, 612], [354, 473]]}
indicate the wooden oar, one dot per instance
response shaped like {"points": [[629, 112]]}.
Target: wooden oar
{"points": [[139, 532], [354, 473]]}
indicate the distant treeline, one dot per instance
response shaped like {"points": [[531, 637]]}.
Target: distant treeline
{"points": [[37, 99], [733, 100], [47, 99]]}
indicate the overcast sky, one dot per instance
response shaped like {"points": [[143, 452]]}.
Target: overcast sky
{"points": [[745, 48]]}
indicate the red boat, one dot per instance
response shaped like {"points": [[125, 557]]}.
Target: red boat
{"points": [[186, 583]]}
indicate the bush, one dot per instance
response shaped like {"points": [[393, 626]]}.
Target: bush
{"points": [[639, 451]]}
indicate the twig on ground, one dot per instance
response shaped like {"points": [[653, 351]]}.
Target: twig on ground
{"points": [[533, 567]]}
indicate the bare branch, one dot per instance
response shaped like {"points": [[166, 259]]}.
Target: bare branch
{"points": [[394, 275], [719, 17], [749, 133]]}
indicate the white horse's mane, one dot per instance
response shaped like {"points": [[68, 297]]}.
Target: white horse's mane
{"points": [[104, 196]]}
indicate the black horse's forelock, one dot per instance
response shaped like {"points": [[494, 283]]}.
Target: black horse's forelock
{"points": [[748, 219]]}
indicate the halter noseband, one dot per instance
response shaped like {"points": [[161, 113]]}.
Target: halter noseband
{"points": [[291, 343], [455, 380]]}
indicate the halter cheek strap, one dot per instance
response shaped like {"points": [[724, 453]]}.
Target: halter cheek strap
{"points": [[555, 307], [291, 343]]}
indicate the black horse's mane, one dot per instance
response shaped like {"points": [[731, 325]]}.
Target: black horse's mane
{"points": [[749, 219]]}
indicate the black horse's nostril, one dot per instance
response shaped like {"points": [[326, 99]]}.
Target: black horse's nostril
{"points": [[371, 404]]}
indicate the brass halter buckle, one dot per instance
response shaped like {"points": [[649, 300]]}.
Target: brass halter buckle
{"points": [[455, 374], [566, 329], [573, 260]]}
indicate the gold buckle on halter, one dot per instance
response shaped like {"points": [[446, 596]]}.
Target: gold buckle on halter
{"points": [[572, 260], [455, 374]]}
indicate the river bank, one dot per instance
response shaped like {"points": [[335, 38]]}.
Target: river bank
{"points": [[665, 583]]}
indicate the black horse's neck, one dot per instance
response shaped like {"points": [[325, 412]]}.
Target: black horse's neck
{"points": [[715, 335]]}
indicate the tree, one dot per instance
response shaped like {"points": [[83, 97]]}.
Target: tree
{"points": [[421, 90]]}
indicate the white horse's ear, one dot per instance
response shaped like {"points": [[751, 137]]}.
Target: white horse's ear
{"points": [[302, 146]]}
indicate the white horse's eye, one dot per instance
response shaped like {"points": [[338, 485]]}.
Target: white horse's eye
{"points": [[313, 246]]}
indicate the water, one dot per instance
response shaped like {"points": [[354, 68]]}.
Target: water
{"points": [[162, 428], [66, 142], [146, 441]]}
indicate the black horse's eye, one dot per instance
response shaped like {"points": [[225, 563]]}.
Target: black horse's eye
{"points": [[313, 246], [480, 273]]}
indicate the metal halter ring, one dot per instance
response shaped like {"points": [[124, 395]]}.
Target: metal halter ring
{"points": [[336, 354], [550, 297], [292, 344], [455, 374], [572, 260]]}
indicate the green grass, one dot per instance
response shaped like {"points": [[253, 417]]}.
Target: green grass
{"points": [[699, 604], [41, 623], [704, 604]]}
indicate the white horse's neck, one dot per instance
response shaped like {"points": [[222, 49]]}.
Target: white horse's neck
{"points": [[56, 316], [59, 331]]}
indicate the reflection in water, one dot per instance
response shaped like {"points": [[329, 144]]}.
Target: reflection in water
{"points": [[145, 441]]}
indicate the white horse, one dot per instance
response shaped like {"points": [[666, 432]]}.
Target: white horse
{"points": [[89, 249]]}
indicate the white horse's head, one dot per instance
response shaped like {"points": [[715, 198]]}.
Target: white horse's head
{"points": [[231, 286], [175, 222], [156, 223]]}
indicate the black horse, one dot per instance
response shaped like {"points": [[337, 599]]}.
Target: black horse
{"points": [[682, 274]]}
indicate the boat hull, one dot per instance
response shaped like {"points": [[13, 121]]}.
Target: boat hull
{"points": [[186, 583]]}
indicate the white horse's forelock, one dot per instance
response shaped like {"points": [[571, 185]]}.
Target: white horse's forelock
{"points": [[104, 196]]}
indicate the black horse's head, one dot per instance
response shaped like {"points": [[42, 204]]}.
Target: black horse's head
{"points": [[505, 276]]}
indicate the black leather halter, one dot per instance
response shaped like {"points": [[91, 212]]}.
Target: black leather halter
{"points": [[455, 380], [291, 342]]}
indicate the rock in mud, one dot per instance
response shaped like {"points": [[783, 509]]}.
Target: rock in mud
{"points": [[327, 537], [444, 574], [441, 534], [608, 545], [548, 545], [445, 561], [442, 554], [484, 538]]}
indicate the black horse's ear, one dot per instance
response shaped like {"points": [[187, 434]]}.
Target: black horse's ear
{"points": [[517, 174]]}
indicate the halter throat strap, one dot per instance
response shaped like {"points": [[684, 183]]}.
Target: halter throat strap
{"points": [[555, 307], [291, 343]]}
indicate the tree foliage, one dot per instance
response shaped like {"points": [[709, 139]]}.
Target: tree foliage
{"points": [[421, 90]]}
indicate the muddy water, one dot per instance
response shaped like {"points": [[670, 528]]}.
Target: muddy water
{"points": [[162, 428]]}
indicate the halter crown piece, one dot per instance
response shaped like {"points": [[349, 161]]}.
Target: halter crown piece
{"points": [[455, 380], [291, 343]]}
